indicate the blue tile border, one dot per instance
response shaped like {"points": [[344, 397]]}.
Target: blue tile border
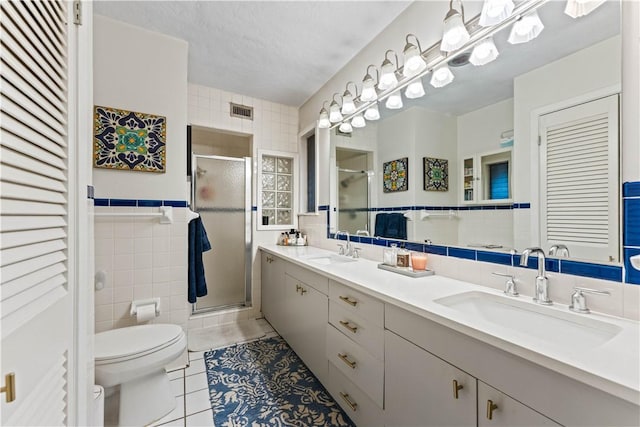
{"points": [[631, 189], [140, 203], [596, 271], [462, 253], [494, 257]]}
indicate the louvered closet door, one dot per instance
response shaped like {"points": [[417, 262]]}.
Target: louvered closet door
{"points": [[580, 179], [35, 293]]}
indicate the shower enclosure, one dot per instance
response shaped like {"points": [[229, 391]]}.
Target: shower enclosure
{"points": [[221, 194], [353, 200]]}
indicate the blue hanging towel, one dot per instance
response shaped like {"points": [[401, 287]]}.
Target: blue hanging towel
{"points": [[381, 224], [198, 243], [396, 226]]}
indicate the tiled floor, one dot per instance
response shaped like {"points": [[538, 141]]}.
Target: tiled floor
{"points": [[192, 391]]}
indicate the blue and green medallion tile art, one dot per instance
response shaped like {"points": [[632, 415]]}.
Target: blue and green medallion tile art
{"points": [[128, 140]]}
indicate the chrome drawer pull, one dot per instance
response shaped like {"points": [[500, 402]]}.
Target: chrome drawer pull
{"points": [[347, 325], [349, 301], [353, 405], [346, 360]]}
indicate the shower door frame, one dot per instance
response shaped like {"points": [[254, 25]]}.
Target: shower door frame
{"points": [[369, 174], [248, 236]]}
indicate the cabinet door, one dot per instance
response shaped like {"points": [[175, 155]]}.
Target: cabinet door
{"points": [[272, 269], [420, 388], [306, 314], [496, 409]]}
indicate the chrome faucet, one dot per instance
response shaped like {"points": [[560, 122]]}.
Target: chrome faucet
{"points": [[348, 249], [541, 293], [559, 251]]}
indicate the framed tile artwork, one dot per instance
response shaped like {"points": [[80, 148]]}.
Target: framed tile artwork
{"points": [[128, 140], [436, 174], [395, 175]]}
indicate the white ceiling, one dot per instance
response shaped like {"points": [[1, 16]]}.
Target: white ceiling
{"points": [[281, 51]]}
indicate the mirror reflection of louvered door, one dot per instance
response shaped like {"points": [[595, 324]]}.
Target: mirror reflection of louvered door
{"points": [[37, 212], [580, 181]]}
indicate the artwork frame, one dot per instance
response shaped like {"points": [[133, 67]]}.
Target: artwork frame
{"points": [[436, 174], [129, 140], [395, 175]]}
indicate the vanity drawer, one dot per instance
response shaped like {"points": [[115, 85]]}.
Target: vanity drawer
{"points": [[357, 302], [315, 280], [356, 364], [359, 407], [358, 329]]}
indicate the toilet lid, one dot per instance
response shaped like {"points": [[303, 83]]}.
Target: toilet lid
{"points": [[133, 340]]}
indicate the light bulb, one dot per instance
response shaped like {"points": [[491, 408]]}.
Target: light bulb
{"points": [[578, 8], [372, 113], [358, 121], [388, 77], [348, 106], [413, 62], [495, 11], [346, 127], [323, 120], [442, 76], [526, 28], [484, 52], [394, 101], [455, 34], [368, 90], [334, 112], [414, 90]]}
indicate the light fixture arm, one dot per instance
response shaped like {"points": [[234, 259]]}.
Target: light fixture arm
{"points": [[453, 11], [377, 72], [417, 42], [355, 86], [386, 59], [334, 98]]}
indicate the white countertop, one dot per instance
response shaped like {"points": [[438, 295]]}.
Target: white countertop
{"points": [[613, 367]]}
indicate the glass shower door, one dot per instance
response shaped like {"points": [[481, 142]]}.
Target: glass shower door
{"points": [[353, 200], [221, 195]]}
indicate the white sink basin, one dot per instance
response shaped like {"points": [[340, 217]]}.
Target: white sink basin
{"points": [[573, 331], [329, 259]]}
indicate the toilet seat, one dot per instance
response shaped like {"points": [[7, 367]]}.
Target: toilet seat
{"points": [[119, 345]]}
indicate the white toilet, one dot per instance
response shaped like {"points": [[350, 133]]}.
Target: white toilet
{"points": [[135, 358]]}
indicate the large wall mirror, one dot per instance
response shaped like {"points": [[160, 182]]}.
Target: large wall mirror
{"points": [[520, 152]]}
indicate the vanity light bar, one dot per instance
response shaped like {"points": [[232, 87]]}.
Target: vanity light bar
{"points": [[476, 38]]}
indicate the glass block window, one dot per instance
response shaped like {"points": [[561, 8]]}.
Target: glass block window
{"points": [[277, 187]]}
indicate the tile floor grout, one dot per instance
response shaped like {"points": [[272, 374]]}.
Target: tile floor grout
{"points": [[181, 415]]}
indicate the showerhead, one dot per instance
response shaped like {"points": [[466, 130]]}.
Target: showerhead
{"points": [[200, 172]]}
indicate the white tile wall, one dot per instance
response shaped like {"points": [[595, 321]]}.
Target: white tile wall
{"points": [[142, 258]]}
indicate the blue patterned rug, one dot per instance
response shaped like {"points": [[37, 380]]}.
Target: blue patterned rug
{"points": [[264, 383]]}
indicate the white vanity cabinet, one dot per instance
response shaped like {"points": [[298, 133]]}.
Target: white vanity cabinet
{"points": [[272, 268], [526, 393], [295, 302], [305, 313], [496, 409], [355, 349], [423, 390]]}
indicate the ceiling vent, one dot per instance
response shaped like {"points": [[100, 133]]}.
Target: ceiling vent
{"points": [[241, 111]]}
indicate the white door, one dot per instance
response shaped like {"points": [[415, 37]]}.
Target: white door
{"points": [[38, 212], [580, 179]]}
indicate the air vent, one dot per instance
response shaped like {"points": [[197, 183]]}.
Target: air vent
{"points": [[241, 111], [346, 134]]}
